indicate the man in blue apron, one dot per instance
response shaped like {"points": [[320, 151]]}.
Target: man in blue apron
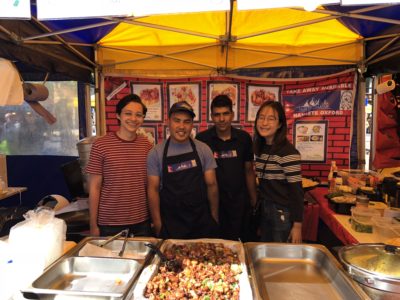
{"points": [[182, 185], [232, 149]]}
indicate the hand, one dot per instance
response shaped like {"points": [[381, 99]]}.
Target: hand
{"points": [[157, 228], [94, 230], [215, 217], [295, 233]]}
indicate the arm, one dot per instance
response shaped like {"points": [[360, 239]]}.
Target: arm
{"points": [[153, 194], [292, 169], [295, 233], [297, 208], [95, 182], [212, 192], [251, 182]]}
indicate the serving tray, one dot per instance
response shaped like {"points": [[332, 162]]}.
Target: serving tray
{"points": [[290, 271]]}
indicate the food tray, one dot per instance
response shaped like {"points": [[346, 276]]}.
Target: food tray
{"points": [[341, 208], [135, 248], [152, 269], [86, 278], [289, 271]]}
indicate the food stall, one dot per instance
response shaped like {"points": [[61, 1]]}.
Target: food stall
{"points": [[312, 270], [195, 269]]}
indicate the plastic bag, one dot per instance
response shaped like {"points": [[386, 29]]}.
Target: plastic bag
{"points": [[40, 238]]}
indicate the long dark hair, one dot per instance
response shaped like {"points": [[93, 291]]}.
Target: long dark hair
{"points": [[280, 138]]}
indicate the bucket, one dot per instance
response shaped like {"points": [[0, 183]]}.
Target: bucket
{"points": [[84, 146]]}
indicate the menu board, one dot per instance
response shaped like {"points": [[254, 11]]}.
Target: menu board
{"points": [[151, 95], [230, 89], [257, 95], [310, 140], [189, 92]]}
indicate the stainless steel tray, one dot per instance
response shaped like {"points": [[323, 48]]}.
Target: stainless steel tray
{"points": [[289, 271], [151, 270], [81, 277], [135, 248]]}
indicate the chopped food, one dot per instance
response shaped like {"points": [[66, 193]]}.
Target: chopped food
{"points": [[344, 199], [360, 227], [345, 188], [307, 183], [334, 194], [209, 271]]}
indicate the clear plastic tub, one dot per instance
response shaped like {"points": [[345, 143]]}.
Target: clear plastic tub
{"points": [[364, 215], [361, 219], [386, 227]]}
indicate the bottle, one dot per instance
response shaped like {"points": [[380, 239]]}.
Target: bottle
{"points": [[332, 177]]}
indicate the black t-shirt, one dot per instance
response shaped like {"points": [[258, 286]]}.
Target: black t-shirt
{"points": [[231, 156]]}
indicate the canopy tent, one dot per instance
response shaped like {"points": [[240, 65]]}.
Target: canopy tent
{"points": [[208, 43]]}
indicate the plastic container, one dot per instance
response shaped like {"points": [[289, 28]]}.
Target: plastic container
{"points": [[341, 208], [362, 201], [364, 215], [379, 206], [361, 219], [391, 212], [84, 147], [364, 227], [39, 239], [386, 227]]}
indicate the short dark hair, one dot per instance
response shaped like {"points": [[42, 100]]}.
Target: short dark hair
{"points": [[280, 138], [128, 99], [221, 101]]}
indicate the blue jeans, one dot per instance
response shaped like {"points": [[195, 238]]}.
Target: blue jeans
{"points": [[275, 224], [140, 229]]}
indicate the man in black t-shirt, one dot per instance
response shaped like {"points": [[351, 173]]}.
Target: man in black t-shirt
{"points": [[232, 149]]}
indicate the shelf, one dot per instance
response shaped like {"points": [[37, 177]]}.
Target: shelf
{"points": [[11, 191]]}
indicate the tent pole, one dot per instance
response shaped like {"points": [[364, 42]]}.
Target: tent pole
{"points": [[100, 108], [333, 15], [154, 55], [358, 16], [166, 28], [378, 37], [57, 43], [58, 32], [49, 53], [88, 111], [383, 57], [382, 48], [66, 44], [284, 55], [361, 114], [250, 35], [228, 35]]}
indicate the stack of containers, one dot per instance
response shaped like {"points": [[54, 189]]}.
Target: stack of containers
{"points": [[361, 218], [386, 227]]}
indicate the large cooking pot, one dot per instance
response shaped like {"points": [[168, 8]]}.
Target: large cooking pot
{"points": [[374, 265]]}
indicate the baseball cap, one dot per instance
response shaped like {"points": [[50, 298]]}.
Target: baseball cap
{"points": [[181, 106]]}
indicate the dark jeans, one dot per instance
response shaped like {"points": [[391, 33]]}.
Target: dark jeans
{"points": [[275, 224], [140, 229]]}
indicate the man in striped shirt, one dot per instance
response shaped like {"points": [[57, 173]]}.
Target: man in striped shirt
{"points": [[117, 175]]}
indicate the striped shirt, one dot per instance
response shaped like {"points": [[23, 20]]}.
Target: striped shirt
{"points": [[279, 174], [122, 164]]}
